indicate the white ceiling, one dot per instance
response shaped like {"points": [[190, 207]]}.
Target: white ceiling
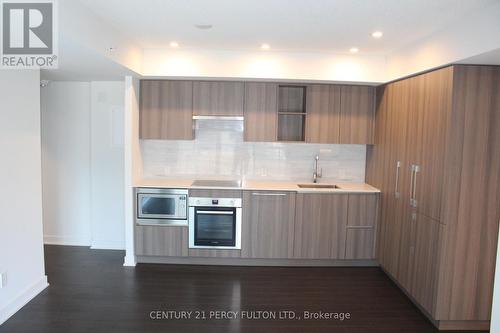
{"points": [[490, 58], [290, 25], [77, 63]]}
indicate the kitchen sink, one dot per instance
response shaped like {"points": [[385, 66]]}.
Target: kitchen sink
{"points": [[320, 186]]}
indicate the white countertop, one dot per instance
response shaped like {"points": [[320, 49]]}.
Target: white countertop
{"points": [[259, 185]]}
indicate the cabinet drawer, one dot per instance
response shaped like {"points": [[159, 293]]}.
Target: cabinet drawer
{"points": [[161, 241], [360, 243]]}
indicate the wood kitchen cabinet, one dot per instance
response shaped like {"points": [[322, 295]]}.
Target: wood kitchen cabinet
{"points": [[268, 224], [357, 114], [320, 226], [260, 111], [218, 98], [291, 113], [335, 226], [323, 113], [436, 162], [317, 113], [361, 226], [424, 261], [427, 139], [166, 110], [167, 241]]}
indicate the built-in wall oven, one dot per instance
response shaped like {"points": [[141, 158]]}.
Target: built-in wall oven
{"points": [[215, 223], [156, 206]]}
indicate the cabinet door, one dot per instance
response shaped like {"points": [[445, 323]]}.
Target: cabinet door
{"points": [[218, 98], [260, 111], [268, 224], [323, 113], [166, 110], [320, 226], [389, 149], [406, 243], [424, 251], [357, 115], [428, 141], [161, 241]]}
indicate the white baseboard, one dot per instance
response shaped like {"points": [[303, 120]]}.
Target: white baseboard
{"points": [[22, 299], [66, 240], [107, 245], [129, 261]]}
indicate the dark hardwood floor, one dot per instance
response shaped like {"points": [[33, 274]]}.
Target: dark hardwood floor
{"points": [[90, 291]]}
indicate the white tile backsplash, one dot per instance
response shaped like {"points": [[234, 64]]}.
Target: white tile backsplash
{"points": [[219, 151]]}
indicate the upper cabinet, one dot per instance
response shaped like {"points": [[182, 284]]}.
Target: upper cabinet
{"points": [[323, 113], [261, 106], [357, 115], [318, 113], [291, 113], [211, 98], [166, 110]]}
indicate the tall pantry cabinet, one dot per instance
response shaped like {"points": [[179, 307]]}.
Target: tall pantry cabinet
{"points": [[436, 160]]}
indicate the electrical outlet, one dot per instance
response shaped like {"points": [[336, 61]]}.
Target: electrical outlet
{"points": [[3, 279]]}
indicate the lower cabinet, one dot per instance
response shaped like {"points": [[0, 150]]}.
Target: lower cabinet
{"points": [[320, 226], [268, 224], [424, 261], [362, 217], [284, 225], [161, 241], [335, 226], [419, 249]]}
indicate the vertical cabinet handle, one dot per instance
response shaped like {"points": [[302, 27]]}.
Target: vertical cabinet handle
{"points": [[411, 184], [396, 187], [414, 194]]}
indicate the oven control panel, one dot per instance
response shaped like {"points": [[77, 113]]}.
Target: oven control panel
{"points": [[214, 202]]}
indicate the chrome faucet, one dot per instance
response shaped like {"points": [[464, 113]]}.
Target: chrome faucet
{"points": [[317, 174]]}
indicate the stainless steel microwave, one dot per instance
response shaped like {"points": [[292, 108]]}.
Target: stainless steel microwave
{"points": [[157, 206]]}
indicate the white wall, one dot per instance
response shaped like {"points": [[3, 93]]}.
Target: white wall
{"points": [[475, 34], [264, 64], [107, 165], [66, 163], [133, 162], [82, 26], [495, 311], [21, 246], [82, 153]]}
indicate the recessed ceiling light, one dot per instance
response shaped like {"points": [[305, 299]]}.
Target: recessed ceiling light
{"points": [[174, 44], [354, 50], [377, 34], [203, 26], [265, 46]]}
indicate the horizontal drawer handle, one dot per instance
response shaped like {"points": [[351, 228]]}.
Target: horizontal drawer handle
{"points": [[212, 212], [270, 194]]}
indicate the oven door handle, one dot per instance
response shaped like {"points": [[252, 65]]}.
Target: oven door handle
{"points": [[213, 212]]}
